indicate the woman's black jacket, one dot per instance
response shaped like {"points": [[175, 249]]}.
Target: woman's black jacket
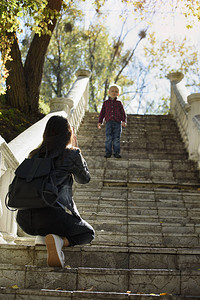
{"points": [[70, 163]]}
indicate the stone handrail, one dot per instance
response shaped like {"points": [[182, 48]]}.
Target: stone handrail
{"points": [[73, 107], [76, 101], [185, 109]]}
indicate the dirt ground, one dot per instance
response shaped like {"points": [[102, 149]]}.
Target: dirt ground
{"points": [[13, 122]]}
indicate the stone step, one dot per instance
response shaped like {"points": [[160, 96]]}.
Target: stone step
{"points": [[140, 214], [134, 144], [109, 209], [140, 164], [150, 184], [150, 217], [165, 177], [129, 211], [148, 130], [135, 148], [190, 198], [131, 135], [139, 154], [140, 142], [100, 256], [137, 119], [130, 175], [139, 183], [136, 154], [168, 126], [112, 205], [179, 282], [108, 221], [113, 238], [136, 231], [27, 294]]}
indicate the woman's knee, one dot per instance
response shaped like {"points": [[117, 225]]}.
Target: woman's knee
{"points": [[92, 235], [88, 236]]}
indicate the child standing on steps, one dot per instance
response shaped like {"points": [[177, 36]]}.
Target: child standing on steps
{"points": [[115, 117]]}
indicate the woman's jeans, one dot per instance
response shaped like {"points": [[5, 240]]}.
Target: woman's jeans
{"points": [[113, 134], [43, 221]]}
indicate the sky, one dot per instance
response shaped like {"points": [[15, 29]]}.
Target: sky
{"points": [[166, 24], [170, 24]]}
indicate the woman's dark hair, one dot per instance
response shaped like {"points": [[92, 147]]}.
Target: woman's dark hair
{"points": [[57, 135]]}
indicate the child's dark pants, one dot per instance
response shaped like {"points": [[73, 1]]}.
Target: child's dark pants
{"points": [[113, 134]]}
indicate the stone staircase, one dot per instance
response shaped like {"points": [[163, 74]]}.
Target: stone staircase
{"points": [[145, 208]]}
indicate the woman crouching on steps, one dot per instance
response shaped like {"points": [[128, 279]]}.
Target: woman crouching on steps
{"points": [[59, 227]]}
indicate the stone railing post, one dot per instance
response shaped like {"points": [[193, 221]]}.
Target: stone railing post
{"points": [[81, 74], [178, 104], [61, 104], [76, 101], [193, 127], [75, 93], [2, 241], [174, 78], [0, 177], [8, 226]]}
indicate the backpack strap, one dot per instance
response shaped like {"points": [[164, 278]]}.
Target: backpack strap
{"points": [[6, 202]]}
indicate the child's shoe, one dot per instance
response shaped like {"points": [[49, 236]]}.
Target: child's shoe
{"points": [[117, 155], [107, 155], [54, 244]]}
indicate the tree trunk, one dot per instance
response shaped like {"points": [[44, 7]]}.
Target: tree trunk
{"points": [[33, 69], [24, 83], [16, 95]]}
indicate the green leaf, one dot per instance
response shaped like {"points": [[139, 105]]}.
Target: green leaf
{"points": [[20, 14]]}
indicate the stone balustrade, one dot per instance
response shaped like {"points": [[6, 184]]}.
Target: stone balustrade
{"points": [[8, 164], [185, 109], [73, 107], [76, 101]]}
